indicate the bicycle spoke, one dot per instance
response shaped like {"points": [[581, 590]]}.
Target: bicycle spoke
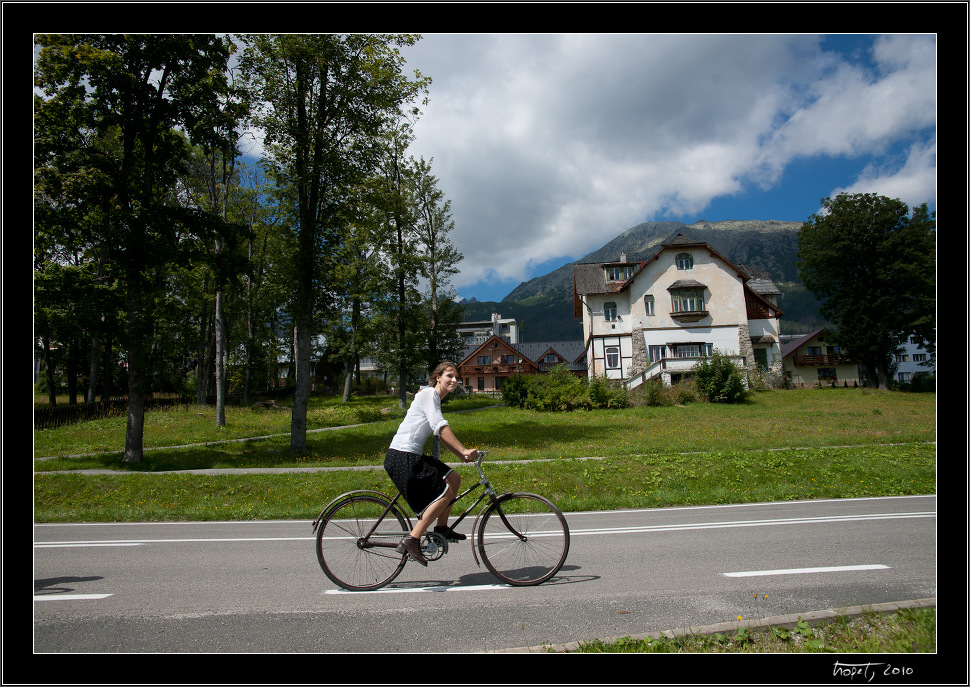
{"points": [[341, 552], [537, 554]]}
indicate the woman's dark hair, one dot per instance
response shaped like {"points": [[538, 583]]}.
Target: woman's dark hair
{"points": [[440, 370]]}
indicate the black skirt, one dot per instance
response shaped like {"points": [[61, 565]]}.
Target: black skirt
{"points": [[420, 479]]}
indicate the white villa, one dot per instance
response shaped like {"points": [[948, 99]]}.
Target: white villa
{"points": [[658, 317]]}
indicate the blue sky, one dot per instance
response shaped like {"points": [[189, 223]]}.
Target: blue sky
{"points": [[551, 145]]}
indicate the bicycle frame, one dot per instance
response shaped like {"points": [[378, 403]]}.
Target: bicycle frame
{"points": [[489, 492]]}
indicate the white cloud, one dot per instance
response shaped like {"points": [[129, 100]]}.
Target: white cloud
{"points": [[913, 181], [551, 145]]}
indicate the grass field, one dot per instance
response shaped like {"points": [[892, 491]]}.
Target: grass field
{"points": [[781, 445]]}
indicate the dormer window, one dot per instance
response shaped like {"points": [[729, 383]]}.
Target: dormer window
{"points": [[685, 261], [619, 272]]}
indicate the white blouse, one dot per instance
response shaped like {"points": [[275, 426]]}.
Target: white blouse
{"points": [[423, 418]]}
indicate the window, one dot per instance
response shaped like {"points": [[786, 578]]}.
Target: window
{"points": [[693, 350], [687, 300], [508, 359], [688, 351], [551, 358], [609, 311], [648, 304], [484, 359], [685, 261], [619, 272], [656, 353], [612, 357]]}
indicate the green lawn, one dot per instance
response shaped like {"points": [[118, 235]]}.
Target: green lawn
{"points": [[780, 445]]}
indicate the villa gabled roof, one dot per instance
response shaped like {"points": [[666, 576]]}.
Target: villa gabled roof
{"points": [[793, 345], [573, 352]]}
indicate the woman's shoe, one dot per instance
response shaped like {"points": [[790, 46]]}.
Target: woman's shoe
{"points": [[412, 546], [448, 533]]}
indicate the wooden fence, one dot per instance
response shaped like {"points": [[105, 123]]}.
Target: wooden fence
{"points": [[57, 416]]}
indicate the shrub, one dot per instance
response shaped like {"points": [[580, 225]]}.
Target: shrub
{"points": [[720, 379], [560, 390], [652, 392], [604, 393]]}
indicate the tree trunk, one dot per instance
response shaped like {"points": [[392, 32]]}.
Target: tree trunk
{"points": [[49, 373], [401, 326], [137, 370], [348, 379], [93, 370], [301, 397], [220, 363]]}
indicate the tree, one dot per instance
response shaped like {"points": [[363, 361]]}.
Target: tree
{"points": [[439, 263], [148, 93], [873, 268], [324, 101]]}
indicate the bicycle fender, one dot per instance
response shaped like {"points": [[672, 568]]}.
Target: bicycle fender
{"points": [[475, 526], [326, 509]]}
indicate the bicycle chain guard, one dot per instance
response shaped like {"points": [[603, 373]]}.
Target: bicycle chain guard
{"points": [[434, 546]]}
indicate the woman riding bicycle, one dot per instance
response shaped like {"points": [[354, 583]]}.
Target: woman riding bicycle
{"points": [[427, 484]]}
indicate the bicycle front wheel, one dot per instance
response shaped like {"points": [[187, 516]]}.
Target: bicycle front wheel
{"points": [[354, 554], [523, 539]]}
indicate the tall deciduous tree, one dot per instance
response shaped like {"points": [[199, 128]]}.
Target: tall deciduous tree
{"points": [[439, 262], [323, 101], [142, 90], [872, 265]]}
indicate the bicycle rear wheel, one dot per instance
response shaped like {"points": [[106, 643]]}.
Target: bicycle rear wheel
{"points": [[523, 539], [351, 558]]}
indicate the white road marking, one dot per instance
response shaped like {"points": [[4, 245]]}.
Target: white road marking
{"points": [[61, 545], [441, 588], [69, 597], [800, 571], [572, 532], [752, 523]]}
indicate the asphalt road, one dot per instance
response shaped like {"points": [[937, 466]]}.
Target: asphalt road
{"points": [[256, 586]]}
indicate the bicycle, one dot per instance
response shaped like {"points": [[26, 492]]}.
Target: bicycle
{"points": [[522, 538]]}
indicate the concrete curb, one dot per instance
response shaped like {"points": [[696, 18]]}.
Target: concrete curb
{"points": [[788, 620]]}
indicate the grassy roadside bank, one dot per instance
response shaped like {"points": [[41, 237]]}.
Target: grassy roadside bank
{"points": [[908, 630], [850, 442]]}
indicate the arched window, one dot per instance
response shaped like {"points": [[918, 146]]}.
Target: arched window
{"points": [[609, 311], [648, 304], [685, 261]]}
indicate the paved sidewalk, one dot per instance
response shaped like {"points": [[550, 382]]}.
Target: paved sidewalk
{"points": [[279, 471]]}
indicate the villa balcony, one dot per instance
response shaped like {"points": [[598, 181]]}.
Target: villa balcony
{"points": [[816, 360]]}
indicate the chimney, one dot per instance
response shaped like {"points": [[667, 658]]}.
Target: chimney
{"points": [[622, 257]]}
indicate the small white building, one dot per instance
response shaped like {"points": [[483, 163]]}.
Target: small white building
{"points": [[913, 362], [658, 317], [475, 333]]}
